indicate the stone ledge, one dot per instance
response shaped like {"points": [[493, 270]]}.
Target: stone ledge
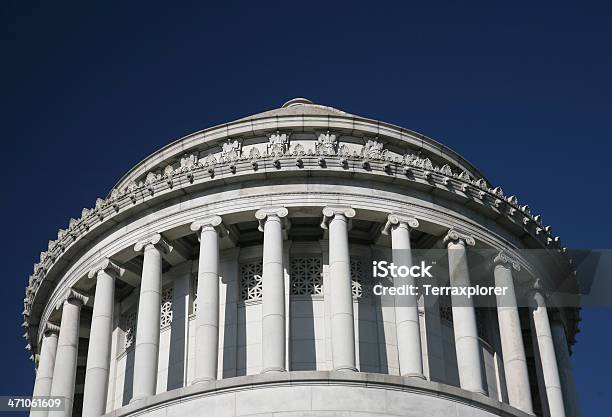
{"points": [[319, 378]]}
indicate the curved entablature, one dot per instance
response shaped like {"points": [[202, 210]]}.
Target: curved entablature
{"points": [[113, 210], [418, 173]]}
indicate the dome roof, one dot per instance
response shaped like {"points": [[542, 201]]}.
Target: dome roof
{"points": [[300, 115], [300, 106]]}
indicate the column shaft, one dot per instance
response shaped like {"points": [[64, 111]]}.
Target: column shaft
{"points": [[98, 356], [342, 324], [406, 307], [273, 299], [464, 321], [44, 372], [568, 385], [64, 371], [207, 314], [548, 360], [147, 331], [513, 350]]}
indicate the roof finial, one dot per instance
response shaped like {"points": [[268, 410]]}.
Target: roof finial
{"points": [[297, 102]]}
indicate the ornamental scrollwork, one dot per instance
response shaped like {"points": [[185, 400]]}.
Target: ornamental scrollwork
{"points": [[208, 161], [277, 144], [446, 170], [373, 150], [188, 162], [230, 151], [254, 154], [326, 144], [418, 162], [168, 171], [298, 150]]}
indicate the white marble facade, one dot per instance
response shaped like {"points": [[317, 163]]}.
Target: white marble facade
{"points": [[228, 272]]}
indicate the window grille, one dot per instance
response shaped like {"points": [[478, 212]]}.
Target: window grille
{"points": [[251, 281], [306, 276], [166, 308]]}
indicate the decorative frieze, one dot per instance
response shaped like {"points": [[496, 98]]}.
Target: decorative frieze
{"points": [[373, 150], [277, 144], [231, 151], [326, 144]]}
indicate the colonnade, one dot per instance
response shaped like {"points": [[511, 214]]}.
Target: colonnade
{"points": [[58, 350]]}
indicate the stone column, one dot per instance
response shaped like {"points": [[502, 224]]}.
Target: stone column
{"points": [[406, 306], [46, 363], [568, 386], [546, 351], [207, 314], [464, 316], [64, 371], [98, 356], [271, 221], [149, 305], [513, 350], [336, 220]]}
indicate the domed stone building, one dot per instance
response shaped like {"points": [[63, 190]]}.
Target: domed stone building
{"points": [[228, 274]]}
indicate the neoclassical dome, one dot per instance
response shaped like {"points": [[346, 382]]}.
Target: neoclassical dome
{"points": [[229, 271]]}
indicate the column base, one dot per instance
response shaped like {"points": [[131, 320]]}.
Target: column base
{"points": [[273, 369], [414, 375], [346, 368], [137, 399], [202, 381]]}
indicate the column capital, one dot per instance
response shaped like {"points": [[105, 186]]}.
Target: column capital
{"points": [[51, 328], [504, 258], [536, 287], [72, 295], [214, 221], [108, 266], [454, 236], [156, 240], [330, 211], [396, 219], [263, 213]]}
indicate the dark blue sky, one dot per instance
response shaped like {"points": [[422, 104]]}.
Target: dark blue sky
{"points": [[87, 91]]}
